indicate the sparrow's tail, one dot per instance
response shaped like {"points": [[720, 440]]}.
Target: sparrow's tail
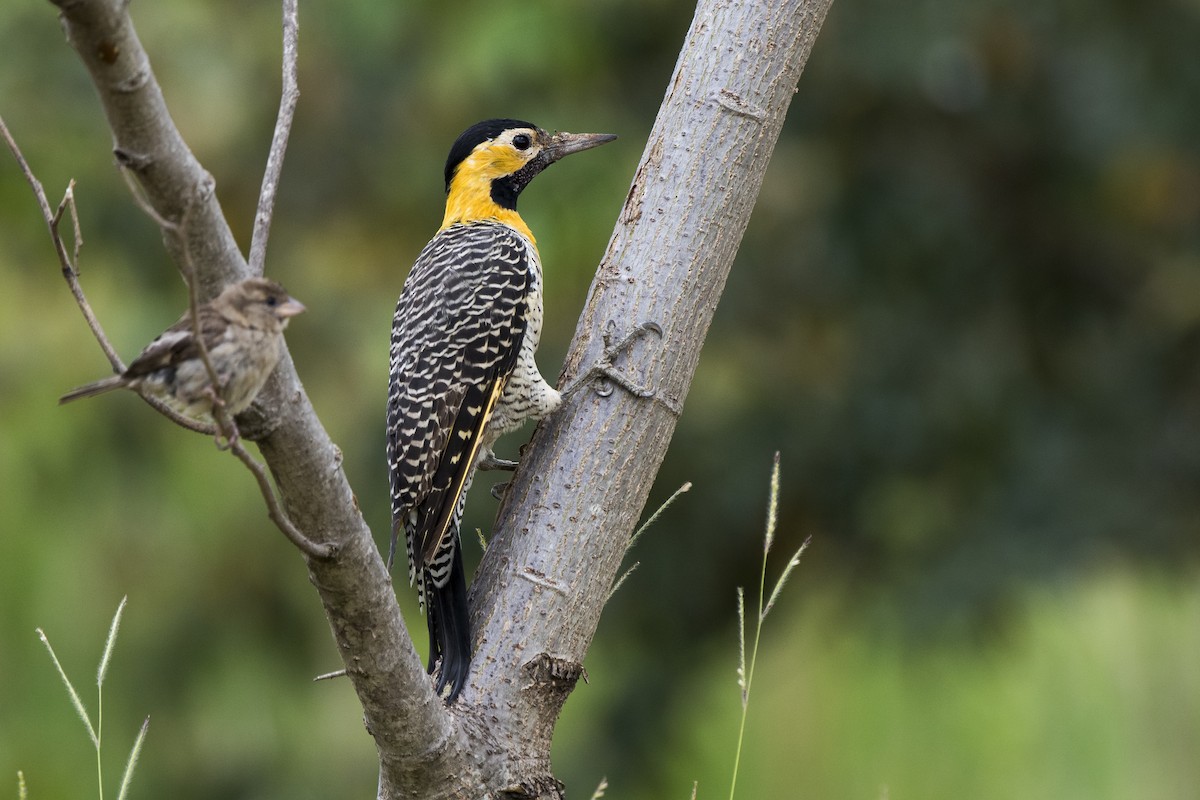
{"points": [[93, 389], [449, 628]]}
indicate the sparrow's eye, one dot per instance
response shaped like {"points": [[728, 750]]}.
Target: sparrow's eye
{"points": [[272, 300], [522, 141]]}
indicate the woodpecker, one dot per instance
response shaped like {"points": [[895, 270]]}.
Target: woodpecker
{"points": [[462, 369]]}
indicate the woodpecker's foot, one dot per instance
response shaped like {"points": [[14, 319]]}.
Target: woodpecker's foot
{"points": [[499, 489], [491, 461], [605, 369]]}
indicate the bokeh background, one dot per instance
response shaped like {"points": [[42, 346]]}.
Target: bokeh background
{"points": [[966, 312]]}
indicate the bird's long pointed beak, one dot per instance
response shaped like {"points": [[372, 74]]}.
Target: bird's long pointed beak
{"points": [[563, 143], [290, 308]]}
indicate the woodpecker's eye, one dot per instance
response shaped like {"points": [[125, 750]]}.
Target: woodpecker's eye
{"points": [[522, 141]]}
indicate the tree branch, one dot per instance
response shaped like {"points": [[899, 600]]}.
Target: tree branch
{"points": [[666, 263], [399, 706]]}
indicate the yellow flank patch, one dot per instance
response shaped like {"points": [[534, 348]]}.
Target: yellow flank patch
{"points": [[470, 195]]}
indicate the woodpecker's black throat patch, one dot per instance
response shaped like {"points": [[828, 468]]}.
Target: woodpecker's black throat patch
{"points": [[506, 189]]}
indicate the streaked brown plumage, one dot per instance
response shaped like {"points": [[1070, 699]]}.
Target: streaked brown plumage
{"points": [[243, 330]]}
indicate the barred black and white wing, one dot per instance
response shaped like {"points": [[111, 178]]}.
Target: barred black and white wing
{"points": [[456, 339]]}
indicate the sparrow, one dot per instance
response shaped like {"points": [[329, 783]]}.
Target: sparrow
{"points": [[242, 328]]}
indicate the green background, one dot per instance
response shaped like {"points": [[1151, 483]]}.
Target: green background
{"points": [[967, 312]]}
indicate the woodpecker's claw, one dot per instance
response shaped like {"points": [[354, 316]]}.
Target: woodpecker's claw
{"points": [[650, 326], [610, 377], [491, 461], [604, 368], [498, 489]]}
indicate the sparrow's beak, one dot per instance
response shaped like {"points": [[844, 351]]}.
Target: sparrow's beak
{"points": [[563, 144], [290, 308]]}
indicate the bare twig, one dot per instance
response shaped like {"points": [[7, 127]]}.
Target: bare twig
{"points": [[38, 191], [68, 201], [70, 273], [275, 511], [283, 126], [69, 266]]}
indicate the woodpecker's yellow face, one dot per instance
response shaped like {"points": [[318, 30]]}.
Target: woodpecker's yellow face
{"points": [[485, 183], [502, 156], [471, 195]]}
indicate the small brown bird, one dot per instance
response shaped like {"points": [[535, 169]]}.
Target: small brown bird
{"points": [[243, 330]]}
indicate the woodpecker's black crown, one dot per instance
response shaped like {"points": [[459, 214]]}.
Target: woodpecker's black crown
{"points": [[473, 136]]}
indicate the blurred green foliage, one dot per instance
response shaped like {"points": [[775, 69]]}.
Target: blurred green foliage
{"points": [[1090, 693], [967, 310]]}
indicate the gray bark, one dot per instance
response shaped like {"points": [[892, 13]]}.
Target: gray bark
{"points": [[561, 533], [565, 522], [399, 706]]}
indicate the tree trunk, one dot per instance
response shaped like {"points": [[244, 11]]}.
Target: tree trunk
{"points": [[568, 514], [563, 528]]}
